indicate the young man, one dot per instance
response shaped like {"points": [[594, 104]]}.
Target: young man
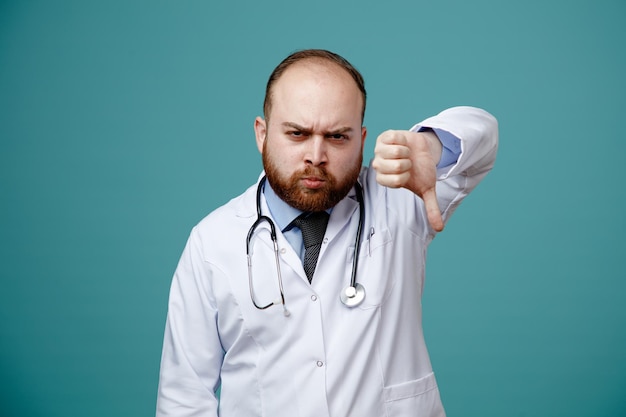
{"points": [[286, 324]]}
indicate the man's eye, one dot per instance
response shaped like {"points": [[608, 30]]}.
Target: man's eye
{"points": [[338, 136], [296, 133]]}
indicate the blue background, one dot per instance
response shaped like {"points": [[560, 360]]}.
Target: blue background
{"points": [[123, 123]]}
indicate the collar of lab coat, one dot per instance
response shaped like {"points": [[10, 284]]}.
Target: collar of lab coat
{"points": [[339, 219]]}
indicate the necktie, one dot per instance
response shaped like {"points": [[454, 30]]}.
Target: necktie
{"points": [[313, 228]]}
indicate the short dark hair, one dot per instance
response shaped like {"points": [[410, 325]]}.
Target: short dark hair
{"points": [[313, 54]]}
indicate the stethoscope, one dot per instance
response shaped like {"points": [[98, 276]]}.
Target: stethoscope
{"points": [[351, 296]]}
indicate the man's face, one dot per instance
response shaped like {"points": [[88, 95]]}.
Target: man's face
{"points": [[312, 141]]}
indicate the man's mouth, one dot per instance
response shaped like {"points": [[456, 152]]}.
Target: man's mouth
{"points": [[312, 182]]}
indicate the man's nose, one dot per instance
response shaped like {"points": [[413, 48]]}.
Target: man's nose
{"points": [[316, 153]]}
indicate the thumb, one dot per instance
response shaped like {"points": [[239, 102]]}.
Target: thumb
{"points": [[432, 209]]}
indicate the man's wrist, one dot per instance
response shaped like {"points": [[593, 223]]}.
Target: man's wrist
{"points": [[434, 144]]}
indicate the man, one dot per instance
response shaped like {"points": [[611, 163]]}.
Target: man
{"points": [[283, 335]]}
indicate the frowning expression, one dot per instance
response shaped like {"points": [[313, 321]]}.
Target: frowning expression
{"points": [[312, 143]]}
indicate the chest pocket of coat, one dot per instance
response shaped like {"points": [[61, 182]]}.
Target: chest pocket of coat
{"points": [[374, 266], [418, 397]]}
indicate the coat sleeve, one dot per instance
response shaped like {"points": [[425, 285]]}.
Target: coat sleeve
{"points": [[478, 132], [192, 353]]}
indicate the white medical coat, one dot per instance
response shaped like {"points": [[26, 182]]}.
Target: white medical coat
{"points": [[325, 359]]}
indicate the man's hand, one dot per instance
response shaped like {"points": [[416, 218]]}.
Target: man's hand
{"points": [[409, 159]]}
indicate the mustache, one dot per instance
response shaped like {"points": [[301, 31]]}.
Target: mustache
{"points": [[311, 171]]}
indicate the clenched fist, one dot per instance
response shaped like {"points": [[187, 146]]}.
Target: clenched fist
{"points": [[409, 160]]}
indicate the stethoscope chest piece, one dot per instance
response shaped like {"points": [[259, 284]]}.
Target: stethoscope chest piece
{"points": [[353, 296]]}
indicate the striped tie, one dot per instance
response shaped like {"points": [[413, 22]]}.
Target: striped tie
{"points": [[313, 228]]}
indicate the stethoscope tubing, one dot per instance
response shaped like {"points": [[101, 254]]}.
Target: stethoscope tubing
{"points": [[351, 296], [359, 232]]}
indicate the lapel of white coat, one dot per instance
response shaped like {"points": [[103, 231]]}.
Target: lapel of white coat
{"points": [[340, 217]]}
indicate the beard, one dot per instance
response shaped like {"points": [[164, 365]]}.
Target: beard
{"points": [[292, 192]]}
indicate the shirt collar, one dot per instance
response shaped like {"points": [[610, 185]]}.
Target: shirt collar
{"points": [[281, 212]]}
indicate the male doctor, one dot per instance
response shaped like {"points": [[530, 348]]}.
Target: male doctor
{"points": [[284, 323]]}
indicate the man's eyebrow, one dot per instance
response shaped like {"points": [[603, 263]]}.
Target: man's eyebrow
{"points": [[340, 130], [296, 126], [346, 129]]}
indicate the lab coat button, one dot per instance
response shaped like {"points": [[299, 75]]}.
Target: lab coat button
{"points": [[325, 240], [320, 364], [314, 298], [283, 250]]}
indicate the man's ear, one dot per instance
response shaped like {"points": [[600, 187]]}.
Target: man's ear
{"points": [[260, 131], [363, 136]]}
